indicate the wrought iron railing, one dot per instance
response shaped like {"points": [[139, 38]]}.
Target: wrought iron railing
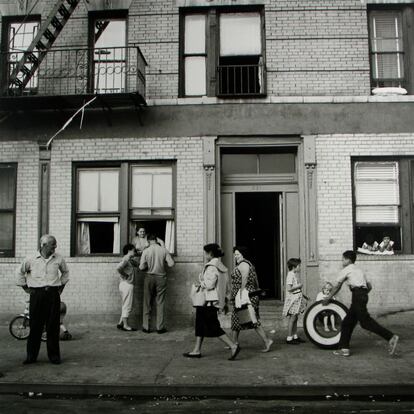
{"points": [[77, 71], [243, 80]]}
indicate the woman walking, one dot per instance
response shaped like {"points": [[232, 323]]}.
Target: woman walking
{"points": [[243, 283], [214, 282]]}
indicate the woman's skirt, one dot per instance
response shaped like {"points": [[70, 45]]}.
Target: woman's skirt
{"points": [[207, 323]]}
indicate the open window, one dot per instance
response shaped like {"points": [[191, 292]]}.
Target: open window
{"points": [[97, 218]]}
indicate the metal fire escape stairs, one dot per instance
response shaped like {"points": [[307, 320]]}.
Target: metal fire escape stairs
{"points": [[41, 44]]}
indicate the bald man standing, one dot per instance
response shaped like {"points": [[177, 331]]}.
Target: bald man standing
{"points": [[44, 277]]}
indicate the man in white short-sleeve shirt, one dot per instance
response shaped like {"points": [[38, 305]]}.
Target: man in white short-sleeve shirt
{"points": [[357, 281]]}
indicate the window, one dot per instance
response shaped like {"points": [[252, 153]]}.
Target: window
{"points": [[8, 177], [381, 209], [222, 53], [109, 60], [17, 37], [113, 202], [387, 48], [258, 161]]}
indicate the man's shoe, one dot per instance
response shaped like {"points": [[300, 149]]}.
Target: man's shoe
{"points": [[161, 331], [146, 330], [342, 352], [56, 361], [392, 344], [29, 361]]}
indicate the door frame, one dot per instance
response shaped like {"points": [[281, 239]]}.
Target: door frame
{"points": [[283, 183]]}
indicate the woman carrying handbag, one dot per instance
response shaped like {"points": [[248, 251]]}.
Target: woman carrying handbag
{"points": [[214, 285]]}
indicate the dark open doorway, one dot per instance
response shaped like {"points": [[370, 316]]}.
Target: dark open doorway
{"points": [[257, 228]]}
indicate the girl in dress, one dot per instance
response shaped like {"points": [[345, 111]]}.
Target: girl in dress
{"points": [[295, 302]]}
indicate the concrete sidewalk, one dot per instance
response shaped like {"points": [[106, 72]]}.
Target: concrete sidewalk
{"points": [[102, 359]]}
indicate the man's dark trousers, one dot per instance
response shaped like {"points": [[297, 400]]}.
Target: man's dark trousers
{"points": [[358, 313], [44, 311]]}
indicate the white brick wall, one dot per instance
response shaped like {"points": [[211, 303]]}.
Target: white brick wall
{"points": [[393, 278]]}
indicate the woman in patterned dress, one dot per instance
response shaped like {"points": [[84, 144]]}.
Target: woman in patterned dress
{"points": [[244, 277]]}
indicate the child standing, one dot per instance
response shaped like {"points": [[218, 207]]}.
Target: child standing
{"points": [[326, 290], [295, 302]]}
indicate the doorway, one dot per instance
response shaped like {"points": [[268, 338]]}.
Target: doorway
{"points": [[257, 227]]}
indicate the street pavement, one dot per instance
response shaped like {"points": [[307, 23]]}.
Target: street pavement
{"points": [[104, 360]]}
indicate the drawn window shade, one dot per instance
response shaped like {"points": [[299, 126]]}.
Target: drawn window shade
{"points": [[7, 208], [97, 222], [20, 36], [109, 56], [151, 202], [195, 55], [377, 202], [240, 61], [387, 49]]}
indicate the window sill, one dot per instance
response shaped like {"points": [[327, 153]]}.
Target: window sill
{"points": [[395, 257]]}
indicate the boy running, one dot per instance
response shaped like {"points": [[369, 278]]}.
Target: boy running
{"points": [[360, 287]]}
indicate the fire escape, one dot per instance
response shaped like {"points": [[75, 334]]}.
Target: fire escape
{"points": [[47, 77]]}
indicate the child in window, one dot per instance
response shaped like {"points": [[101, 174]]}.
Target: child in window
{"points": [[325, 315], [386, 246]]}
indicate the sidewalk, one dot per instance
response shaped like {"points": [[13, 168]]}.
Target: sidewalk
{"points": [[102, 359]]}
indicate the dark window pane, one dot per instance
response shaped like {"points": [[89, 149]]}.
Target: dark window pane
{"points": [[372, 234], [277, 163], [7, 187], [6, 231], [239, 163], [101, 237]]}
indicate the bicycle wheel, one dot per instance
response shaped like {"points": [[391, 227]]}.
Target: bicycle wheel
{"points": [[19, 327], [314, 327]]}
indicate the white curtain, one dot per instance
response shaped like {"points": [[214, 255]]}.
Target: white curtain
{"points": [[84, 244], [116, 248], [170, 236]]}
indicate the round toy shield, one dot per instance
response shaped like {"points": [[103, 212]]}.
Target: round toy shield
{"points": [[322, 324]]}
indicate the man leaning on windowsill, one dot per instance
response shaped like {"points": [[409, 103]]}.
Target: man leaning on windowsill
{"points": [[44, 277]]}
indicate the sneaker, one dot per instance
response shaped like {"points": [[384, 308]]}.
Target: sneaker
{"points": [[392, 344], [342, 352]]}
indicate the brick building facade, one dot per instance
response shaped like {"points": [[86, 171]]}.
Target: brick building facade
{"points": [[276, 148]]}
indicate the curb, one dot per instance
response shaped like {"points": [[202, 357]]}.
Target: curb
{"points": [[217, 391]]}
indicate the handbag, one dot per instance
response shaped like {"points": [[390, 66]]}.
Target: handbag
{"points": [[243, 315], [197, 295]]}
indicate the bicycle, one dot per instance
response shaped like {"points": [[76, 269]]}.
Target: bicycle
{"points": [[19, 326]]}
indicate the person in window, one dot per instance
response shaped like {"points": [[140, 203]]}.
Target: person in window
{"points": [[154, 260], [44, 277], [370, 245], [386, 246], [140, 241], [214, 282], [360, 287], [244, 284], [126, 285]]}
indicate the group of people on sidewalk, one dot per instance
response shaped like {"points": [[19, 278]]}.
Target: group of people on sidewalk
{"points": [[45, 275]]}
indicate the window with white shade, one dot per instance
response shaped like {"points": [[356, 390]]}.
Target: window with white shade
{"points": [[114, 201], [381, 210], [151, 202], [195, 55], [97, 222], [387, 48], [222, 53]]}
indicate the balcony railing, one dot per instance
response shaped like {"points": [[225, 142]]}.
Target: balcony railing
{"points": [[63, 72], [241, 80]]}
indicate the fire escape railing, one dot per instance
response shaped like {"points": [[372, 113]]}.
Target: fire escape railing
{"points": [[80, 71]]}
